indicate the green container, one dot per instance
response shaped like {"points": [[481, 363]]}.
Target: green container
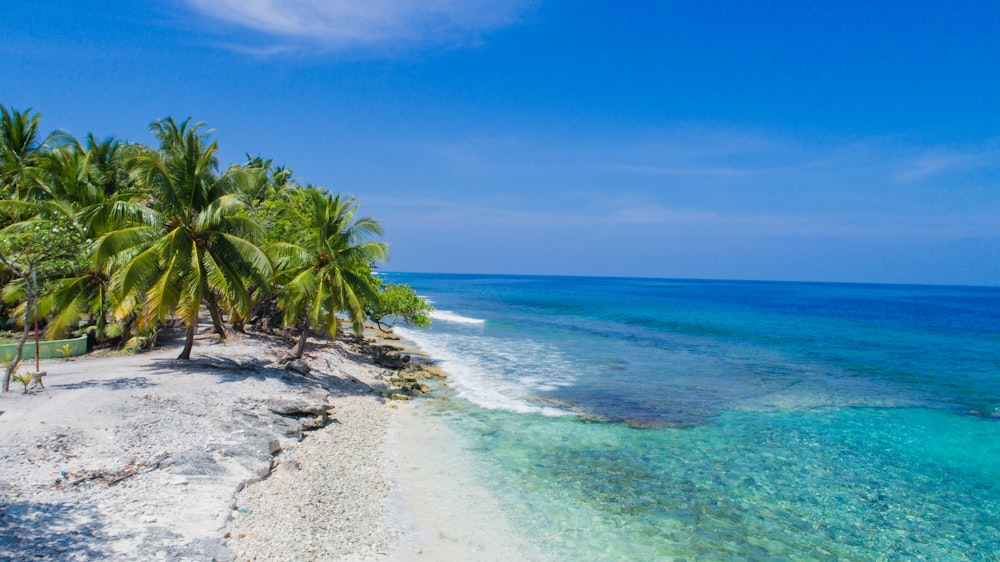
{"points": [[48, 349]]}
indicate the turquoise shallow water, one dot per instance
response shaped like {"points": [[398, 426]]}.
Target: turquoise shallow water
{"points": [[658, 419]]}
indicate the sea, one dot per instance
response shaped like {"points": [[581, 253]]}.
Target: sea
{"points": [[664, 419]]}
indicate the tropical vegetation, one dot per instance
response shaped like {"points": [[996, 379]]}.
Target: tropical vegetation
{"points": [[120, 240]]}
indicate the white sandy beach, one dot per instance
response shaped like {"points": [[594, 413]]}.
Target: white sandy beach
{"points": [[129, 457]]}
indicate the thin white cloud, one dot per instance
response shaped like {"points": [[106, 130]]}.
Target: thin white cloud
{"points": [[351, 24], [451, 216], [725, 184], [936, 164]]}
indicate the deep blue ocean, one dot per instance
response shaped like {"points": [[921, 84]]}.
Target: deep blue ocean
{"points": [[648, 419]]}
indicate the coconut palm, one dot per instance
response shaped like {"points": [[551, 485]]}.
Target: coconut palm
{"points": [[329, 270], [265, 188], [93, 187], [265, 182], [20, 152], [194, 247]]}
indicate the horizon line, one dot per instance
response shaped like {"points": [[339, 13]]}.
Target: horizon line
{"points": [[694, 279]]}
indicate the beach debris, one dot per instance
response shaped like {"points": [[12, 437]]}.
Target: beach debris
{"points": [[108, 476]]}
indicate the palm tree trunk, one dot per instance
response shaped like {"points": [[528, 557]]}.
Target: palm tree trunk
{"points": [[213, 309], [100, 322], [126, 325], [301, 347], [236, 322], [188, 341]]}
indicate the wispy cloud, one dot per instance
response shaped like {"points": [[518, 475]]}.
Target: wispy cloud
{"points": [[650, 217], [715, 183], [354, 24], [938, 163]]}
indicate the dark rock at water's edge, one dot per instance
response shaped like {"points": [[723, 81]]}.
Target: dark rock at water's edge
{"points": [[410, 368]]}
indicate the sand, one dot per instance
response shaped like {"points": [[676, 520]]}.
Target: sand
{"points": [[230, 456], [439, 502]]}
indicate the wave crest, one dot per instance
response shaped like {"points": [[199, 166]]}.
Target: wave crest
{"points": [[449, 316]]}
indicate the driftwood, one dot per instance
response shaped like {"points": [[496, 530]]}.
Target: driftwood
{"points": [[111, 477]]}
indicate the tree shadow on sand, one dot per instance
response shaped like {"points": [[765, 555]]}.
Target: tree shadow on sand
{"points": [[209, 357], [324, 374], [51, 531], [120, 383]]}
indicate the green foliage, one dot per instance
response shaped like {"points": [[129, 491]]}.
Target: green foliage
{"points": [[21, 150], [144, 339], [29, 380], [66, 350], [35, 251], [328, 268], [120, 237], [398, 302], [197, 247], [45, 246]]}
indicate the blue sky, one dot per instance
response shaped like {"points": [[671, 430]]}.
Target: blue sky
{"points": [[829, 141]]}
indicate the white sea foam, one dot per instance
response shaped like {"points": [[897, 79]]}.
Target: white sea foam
{"points": [[449, 316], [496, 373]]}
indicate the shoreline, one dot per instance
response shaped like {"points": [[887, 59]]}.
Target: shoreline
{"points": [[225, 457], [440, 503]]}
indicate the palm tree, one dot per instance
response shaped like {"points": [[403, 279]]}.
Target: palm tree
{"points": [[31, 245], [92, 184], [20, 152], [265, 182], [329, 270], [195, 246], [265, 188]]}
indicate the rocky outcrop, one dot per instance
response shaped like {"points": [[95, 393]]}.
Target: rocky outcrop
{"points": [[390, 358], [410, 380], [297, 408], [407, 370]]}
